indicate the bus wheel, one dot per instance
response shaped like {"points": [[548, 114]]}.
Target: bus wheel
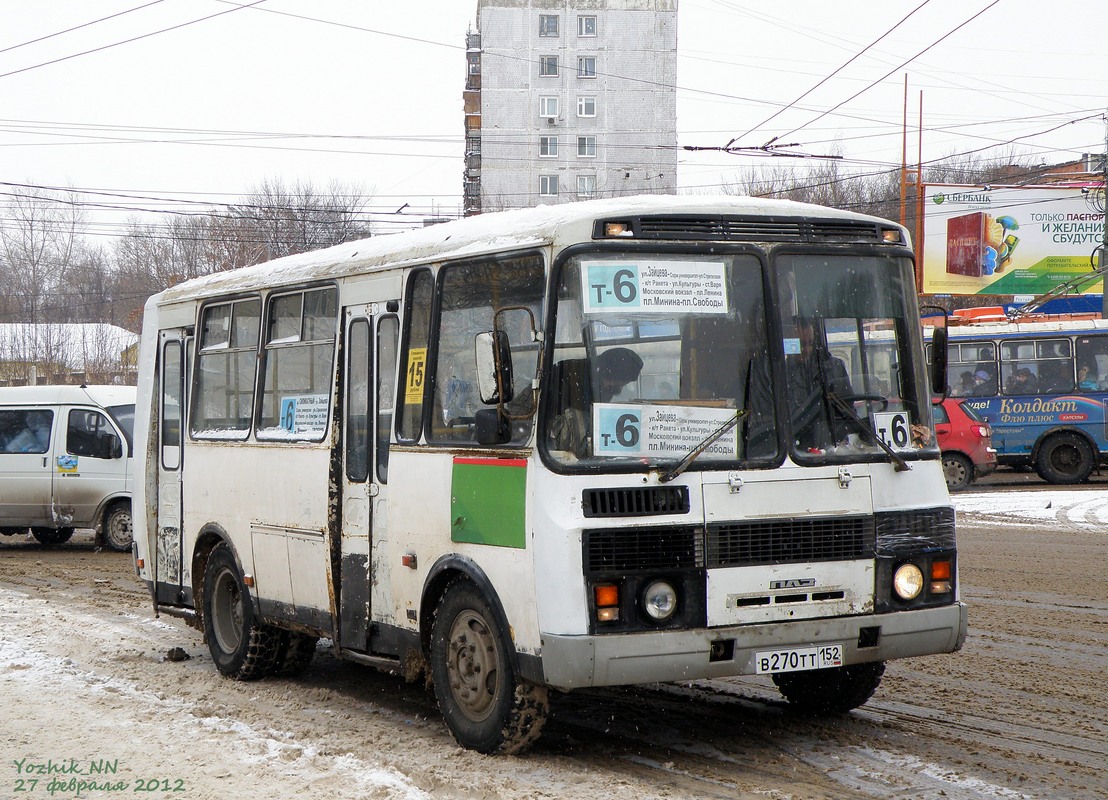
{"points": [[294, 653], [241, 647], [117, 527], [1065, 458], [830, 691], [487, 707], [958, 471], [52, 535]]}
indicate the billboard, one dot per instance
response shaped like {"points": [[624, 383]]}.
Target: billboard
{"points": [[1022, 240]]}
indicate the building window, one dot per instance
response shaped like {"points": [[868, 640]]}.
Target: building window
{"points": [[586, 186], [548, 146], [586, 147], [586, 67], [548, 106], [548, 24], [586, 25], [548, 185], [586, 106], [548, 66]]}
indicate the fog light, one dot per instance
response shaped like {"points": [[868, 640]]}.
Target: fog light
{"points": [[908, 581], [607, 615], [659, 601]]}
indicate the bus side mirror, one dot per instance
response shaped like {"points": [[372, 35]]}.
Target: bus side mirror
{"points": [[493, 355], [938, 363]]}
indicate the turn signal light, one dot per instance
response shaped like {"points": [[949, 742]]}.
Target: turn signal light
{"points": [[940, 577], [607, 602], [618, 229]]}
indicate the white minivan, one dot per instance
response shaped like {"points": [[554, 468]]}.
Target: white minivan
{"points": [[66, 462]]}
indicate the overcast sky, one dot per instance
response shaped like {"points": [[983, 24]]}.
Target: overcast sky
{"points": [[202, 99]]}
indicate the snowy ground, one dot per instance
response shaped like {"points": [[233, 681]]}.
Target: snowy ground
{"points": [[1019, 713]]}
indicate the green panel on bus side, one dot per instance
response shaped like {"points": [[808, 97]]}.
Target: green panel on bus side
{"points": [[487, 501]]}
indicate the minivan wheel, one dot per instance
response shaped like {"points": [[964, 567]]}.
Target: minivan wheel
{"points": [[117, 527], [52, 535]]}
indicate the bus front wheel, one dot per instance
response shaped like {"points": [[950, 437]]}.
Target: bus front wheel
{"points": [[486, 705], [241, 647], [1065, 458], [830, 691]]}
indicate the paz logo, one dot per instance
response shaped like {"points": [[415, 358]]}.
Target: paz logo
{"points": [[939, 199]]}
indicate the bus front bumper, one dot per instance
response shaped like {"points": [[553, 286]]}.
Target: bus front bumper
{"points": [[571, 662]]}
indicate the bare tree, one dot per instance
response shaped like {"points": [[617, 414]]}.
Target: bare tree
{"points": [[39, 243], [280, 220]]}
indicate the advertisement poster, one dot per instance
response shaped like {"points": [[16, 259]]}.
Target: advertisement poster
{"points": [[1008, 240]]}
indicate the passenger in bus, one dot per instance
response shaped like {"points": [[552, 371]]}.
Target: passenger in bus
{"points": [[1022, 381], [984, 385], [1086, 379], [812, 375], [615, 369], [964, 387]]}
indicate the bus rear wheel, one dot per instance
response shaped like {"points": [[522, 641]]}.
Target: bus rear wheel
{"points": [[1065, 458], [486, 705], [241, 647], [830, 691]]}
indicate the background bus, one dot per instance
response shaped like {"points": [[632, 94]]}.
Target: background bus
{"points": [[1042, 385], [589, 444]]}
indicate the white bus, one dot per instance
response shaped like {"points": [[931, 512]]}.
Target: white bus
{"points": [[590, 444]]}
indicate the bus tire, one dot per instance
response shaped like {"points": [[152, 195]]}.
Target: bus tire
{"points": [[294, 654], [1065, 458], [241, 647], [486, 705], [830, 691], [117, 527], [52, 535], [958, 471]]}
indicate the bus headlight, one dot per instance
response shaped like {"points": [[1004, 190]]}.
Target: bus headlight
{"points": [[659, 601], [908, 581]]}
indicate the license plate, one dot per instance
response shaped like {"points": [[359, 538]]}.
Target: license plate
{"points": [[798, 658]]}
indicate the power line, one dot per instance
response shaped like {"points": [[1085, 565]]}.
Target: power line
{"points": [[79, 27]]}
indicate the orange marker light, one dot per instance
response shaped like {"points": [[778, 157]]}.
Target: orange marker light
{"points": [[940, 570], [607, 595]]}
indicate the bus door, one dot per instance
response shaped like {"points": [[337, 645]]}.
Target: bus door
{"points": [[370, 360], [170, 574]]}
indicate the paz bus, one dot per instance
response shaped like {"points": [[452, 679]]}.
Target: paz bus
{"points": [[592, 444], [1042, 384]]}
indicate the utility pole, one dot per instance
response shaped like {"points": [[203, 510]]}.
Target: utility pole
{"points": [[1102, 262]]}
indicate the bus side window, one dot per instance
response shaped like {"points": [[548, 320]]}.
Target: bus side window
{"points": [[388, 332], [413, 374]]}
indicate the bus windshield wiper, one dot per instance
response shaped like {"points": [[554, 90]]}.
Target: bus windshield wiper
{"points": [[847, 410], [704, 444]]}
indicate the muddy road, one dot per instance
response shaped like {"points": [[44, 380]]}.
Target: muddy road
{"points": [[87, 694]]}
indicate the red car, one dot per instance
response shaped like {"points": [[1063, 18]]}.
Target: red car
{"points": [[966, 443]]}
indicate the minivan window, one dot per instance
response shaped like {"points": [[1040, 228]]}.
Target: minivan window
{"points": [[25, 430]]}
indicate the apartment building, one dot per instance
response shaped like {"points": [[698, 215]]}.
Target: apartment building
{"points": [[568, 100]]}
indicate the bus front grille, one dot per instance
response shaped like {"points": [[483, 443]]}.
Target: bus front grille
{"points": [[635, 501], [639, 549], [790, 541], [754, 229]]}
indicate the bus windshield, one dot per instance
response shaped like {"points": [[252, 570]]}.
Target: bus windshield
{"points": [[655, 355], [854, 386]]}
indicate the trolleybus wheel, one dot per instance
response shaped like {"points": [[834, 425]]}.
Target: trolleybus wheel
{"points": [[486, 705], [117, 527], [958, 471], [1065, 458], [830, 691], [52, 535], [241, 647]]}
